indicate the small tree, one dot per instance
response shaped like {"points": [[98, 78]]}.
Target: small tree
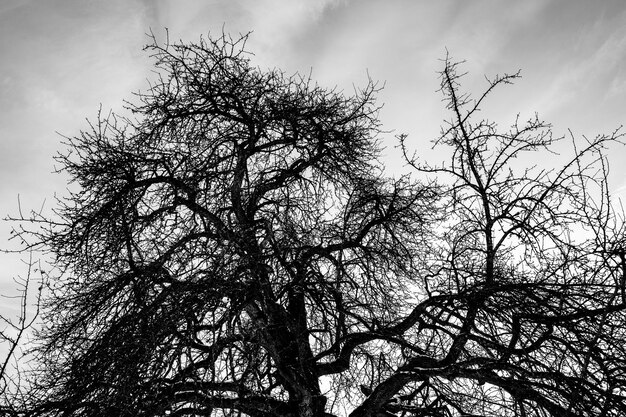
{"points": [[236, 250]]}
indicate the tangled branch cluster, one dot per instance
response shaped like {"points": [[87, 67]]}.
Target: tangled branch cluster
{"points": [[235, 249]]}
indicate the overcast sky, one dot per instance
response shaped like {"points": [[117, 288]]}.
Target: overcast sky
{"points": [[61, 59]]}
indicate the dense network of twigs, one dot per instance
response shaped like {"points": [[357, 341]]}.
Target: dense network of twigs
{"points": [[234, 249]]}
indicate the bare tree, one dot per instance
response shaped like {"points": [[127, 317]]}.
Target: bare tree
{"points": [[235, 249], [529, 269], [13, 332]]}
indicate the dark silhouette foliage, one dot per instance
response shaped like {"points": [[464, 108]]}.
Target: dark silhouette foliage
{"points": [[235, 249]]}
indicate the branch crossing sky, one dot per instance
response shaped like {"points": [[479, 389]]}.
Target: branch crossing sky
{"points": [[61, 59]]}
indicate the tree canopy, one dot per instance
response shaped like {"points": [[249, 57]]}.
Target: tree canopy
{"points": [[235, 247]]}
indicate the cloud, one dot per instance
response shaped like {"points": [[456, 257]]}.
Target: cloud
{"points": [[583, 85], [276, 24]]}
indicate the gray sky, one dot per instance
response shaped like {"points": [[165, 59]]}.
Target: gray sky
{"points": [[61, 59]]}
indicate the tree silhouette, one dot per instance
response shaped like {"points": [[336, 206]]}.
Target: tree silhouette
{"points": [[13, 330], [235, 248]]}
